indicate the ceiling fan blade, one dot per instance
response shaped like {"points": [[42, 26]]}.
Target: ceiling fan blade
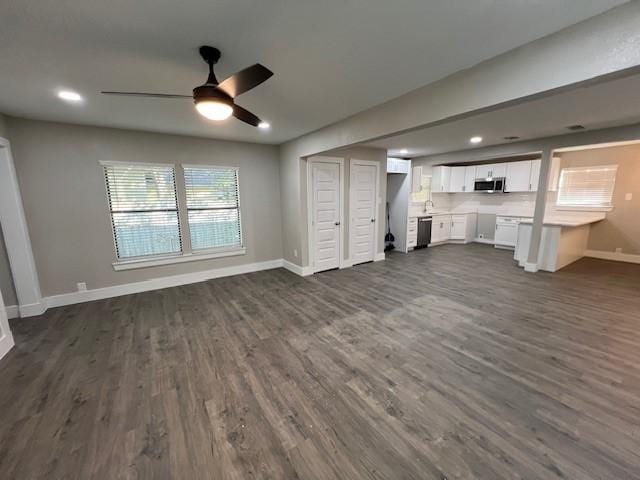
{"points": [[148, 95], [245, 80], [245, 115]]}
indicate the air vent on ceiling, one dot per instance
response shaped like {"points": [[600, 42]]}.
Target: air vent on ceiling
{"points": [[575, 128], [512, 137]]}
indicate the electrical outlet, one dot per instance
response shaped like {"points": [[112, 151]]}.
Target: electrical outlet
{"points": [[295, 253], [82, 287], [628, 196]]}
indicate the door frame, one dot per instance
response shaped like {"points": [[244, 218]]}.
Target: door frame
{"points": [[16, 238], [368, 163], [6, 337], [310, 204]]}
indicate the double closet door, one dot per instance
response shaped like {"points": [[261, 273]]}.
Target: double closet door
{"points": [[327, 207]]}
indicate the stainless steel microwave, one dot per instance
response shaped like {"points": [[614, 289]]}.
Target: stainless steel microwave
{"points": [[489, 185]]}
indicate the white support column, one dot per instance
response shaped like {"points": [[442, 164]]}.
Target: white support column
{"points": [[538, 217], [16, 237]]}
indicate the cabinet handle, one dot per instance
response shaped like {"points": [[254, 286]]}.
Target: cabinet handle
{"points": [[373, 220]]}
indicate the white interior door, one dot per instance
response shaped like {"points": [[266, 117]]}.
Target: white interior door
{"points": [[363, 212], [6, 339], [326, 215]]}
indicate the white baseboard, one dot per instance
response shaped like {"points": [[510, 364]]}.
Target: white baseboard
{"points": [[297, 269], [379, 257], [6, 344], [617, 257], [530, 267], [158, 283], [488, 241], [12, 311], [33, 309]]}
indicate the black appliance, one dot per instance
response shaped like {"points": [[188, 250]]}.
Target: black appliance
{"points": [[424, 232]]}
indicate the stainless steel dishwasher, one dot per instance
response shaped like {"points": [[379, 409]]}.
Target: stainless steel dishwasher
{"points": [[424, 232]]}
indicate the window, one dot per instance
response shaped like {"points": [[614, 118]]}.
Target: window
{"points": [[144, 209], [587, 186], [213, 207]]}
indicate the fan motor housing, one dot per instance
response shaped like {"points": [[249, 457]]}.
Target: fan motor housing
{"points": [[211, 92]]}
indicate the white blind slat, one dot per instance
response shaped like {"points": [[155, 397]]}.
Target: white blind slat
{"points": [[213, 207], [144, 209], [587, 186]]}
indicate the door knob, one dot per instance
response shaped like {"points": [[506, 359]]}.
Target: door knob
{"points": [[337, 223], [373, 220]]}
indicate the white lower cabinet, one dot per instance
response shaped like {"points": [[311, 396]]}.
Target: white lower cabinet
{"points": [[440, 228], [506, 231], [412, 233], [458, 227]]}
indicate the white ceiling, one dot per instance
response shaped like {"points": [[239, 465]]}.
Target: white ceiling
{"points": [[604, 105], [331, 58]]}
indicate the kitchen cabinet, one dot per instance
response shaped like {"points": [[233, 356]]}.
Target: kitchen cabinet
{"points": [[518, 178], [493, 170], [507, 231], [416, 179], [469, 179], [441, 228], [458, 227], [397, 165], [534, 175], [457, 180], [440, 180], [412, 233]]}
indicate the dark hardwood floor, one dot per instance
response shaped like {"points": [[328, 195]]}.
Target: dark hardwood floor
{"points": [[448, 362]]}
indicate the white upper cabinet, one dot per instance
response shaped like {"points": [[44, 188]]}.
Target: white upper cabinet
{"points": [[493, 170], [518, 178], [397, 165], [440, 179], [416, 179], [470, 179], [457, 181], [535, 175]]}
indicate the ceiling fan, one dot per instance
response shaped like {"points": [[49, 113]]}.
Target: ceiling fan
{"points": [[215, 100]]}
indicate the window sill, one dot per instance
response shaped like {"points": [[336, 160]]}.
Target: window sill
{"points": [[169, 260], [583, 209]]}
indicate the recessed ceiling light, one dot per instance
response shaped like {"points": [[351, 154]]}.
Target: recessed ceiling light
{"points": [[404, 151], [264, 125], [475, 139], [69, 96]]}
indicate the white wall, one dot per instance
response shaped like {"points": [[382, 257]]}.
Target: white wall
{"points": [[64, 198]]}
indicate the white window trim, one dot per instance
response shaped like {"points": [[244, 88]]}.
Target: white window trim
{"points": [[230, 167], [184, 257], [178, 258], [583, 208], [569, 208]]}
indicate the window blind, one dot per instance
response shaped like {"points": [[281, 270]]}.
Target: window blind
{"points": [[213, 207], [587, 186], [144, 209]]}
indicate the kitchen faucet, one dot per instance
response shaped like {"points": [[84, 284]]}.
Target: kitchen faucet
{"points": [[426, 204]]}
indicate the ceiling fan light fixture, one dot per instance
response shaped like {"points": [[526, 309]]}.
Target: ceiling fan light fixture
{"points": [[214, 109]]}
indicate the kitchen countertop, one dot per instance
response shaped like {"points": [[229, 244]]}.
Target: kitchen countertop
{"points": [[434, 214], [569, 220]]}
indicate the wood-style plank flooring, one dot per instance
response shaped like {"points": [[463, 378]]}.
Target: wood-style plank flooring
{"points": [[449, 362]]}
